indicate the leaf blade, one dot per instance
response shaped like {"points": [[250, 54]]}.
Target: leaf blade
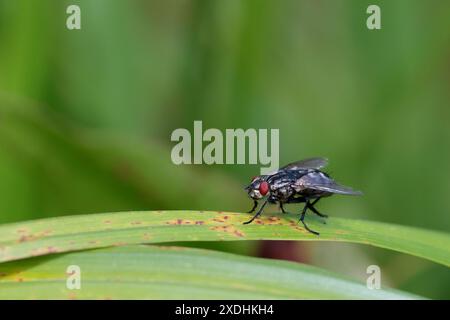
{"points": [[72, 233], [151, 272]]}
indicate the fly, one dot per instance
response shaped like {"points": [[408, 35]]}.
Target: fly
{"points": [[298, 182]]}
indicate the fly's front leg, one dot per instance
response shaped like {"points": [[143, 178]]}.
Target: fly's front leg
{"points": [[258, 213], [281, 208], [255, 204], [302, 218]]}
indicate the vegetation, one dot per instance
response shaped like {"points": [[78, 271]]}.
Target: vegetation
{"points": [[85, 123]]}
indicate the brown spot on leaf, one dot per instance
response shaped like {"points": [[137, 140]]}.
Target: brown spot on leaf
{"points": [[229, 229], [51, 249], [293, 224], [44, 250], [27, 237], [38, 251], [302, 230], [146, 236], [30, 237], [180, 221], [72, 296], [221, 219], [238, 233], [24, 238], [272, 220]]}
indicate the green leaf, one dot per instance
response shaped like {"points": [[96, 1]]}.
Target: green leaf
{"points": [[149, 272], [62, 234]]}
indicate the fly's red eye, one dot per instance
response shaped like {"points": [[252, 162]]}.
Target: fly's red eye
{"points": [[263, 188]]}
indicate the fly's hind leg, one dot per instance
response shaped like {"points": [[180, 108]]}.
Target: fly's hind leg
{"points": [[302, 218], [311, 206]]}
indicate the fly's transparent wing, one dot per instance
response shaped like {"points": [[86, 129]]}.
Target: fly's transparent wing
{"points": [[319, 181], [337, 188], [311, 163]]}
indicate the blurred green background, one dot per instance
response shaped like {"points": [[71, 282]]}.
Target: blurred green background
{"points": [[86, 115]]}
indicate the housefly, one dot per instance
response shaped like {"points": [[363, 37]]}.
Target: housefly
{"points": [[298, 182]]}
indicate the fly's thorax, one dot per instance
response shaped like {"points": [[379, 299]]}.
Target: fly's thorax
{"points": [[282, 193]]}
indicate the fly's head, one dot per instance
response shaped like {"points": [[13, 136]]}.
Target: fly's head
{"points": [[258, 188]]}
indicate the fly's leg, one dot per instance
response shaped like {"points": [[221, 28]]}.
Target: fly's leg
{"points": [[302, 218], [311, 206], [281, 208], [255, 204], [257, 214], [318, 213]]}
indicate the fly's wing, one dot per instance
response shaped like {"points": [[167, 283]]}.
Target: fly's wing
{"points": [[319, 181], [311, 163]]}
